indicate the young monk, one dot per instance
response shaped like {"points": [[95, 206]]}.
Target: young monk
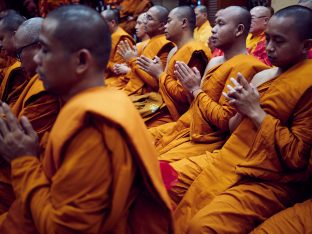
{"points": [[34, 102], [264, 164], [99, 172], [14, 80], [140, 81], [179, 29], [204, 127], [118, 35]]}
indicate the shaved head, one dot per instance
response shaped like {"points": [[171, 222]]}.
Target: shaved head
{"points": [[29, 31], [90, 33], [240, 16], [162, 13], [11, 20], [306, 3], [261, 11], [110, 15], [302, 19], [201, 9], [185, 12]]}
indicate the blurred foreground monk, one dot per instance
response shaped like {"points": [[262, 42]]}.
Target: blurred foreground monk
{"points": [[204, 127], [260, 16], [307, 3], [263, 166], [14, 80], [179, 29], [140, 81], [118, 35], [34, 102], [99, 173]]}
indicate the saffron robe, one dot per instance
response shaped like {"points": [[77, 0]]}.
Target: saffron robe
{"points": [[203, 33], [296, 219], [256, 47], [98, 175], [204, 127], [140, 81], [13, 83], [41, 109], [258, 172]]}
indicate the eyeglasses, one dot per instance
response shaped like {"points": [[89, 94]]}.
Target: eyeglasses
{"points": [[20, 50]]}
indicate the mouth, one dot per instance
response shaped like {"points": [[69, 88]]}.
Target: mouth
{"points": [[40, 73]]}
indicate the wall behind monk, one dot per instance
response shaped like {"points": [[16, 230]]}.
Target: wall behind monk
{"points": [[278, 4], [170, 4]]}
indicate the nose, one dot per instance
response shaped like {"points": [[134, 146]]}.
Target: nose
{"points": [[269, 46], [214, 30]]}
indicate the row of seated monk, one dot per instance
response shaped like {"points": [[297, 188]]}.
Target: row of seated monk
{"points": [[102, 135]]}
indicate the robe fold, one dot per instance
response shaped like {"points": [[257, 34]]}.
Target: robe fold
{"points": [[258, 172], [98, 175], [140, 81], [13, 83], [41, 109], [204, 127]]}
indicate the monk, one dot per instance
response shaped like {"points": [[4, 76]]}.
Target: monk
{"points": [[140, 81], [260, 16], [307, 3], [296, 219], [14, 80], [99, 173], [123, 70], [192, 52], [34, 102], [204, 127], [118, 35], [202, 32], [263, 167]]}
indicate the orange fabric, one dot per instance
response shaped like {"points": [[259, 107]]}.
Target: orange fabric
{"points": [[258, 172], [5, 63], [13, 83], [204, 127], [256, 47], [194, 54], [41, 109], [296, 219], [140, 81], [203, 33], [115, 58], [70, 193], [45, 6]]}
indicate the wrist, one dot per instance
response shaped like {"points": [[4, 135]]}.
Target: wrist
{"points": [[195, 91], [257, 117]]}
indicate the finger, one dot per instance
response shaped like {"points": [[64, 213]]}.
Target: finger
{"points": [[3, 127], [226, 96], [127, 45], [157, 59], [235, 83], [11, 120], [242, 81], [27, 127]]}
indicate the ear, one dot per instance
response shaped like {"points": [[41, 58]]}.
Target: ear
{"points": [[162, 26], [83, 60], [184, 22], [239, 30], [307, 45]]}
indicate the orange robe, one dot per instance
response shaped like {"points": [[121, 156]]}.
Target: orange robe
{"points": [[45, 6], [204, 127], [99, 173], [41, 109], [13, 83], [258, 172], [203, 33], [194, 54], [140, 81], [110, 77], [256, 47], [296, 219]]}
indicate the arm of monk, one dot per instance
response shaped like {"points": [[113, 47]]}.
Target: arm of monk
{"points": [[293, 143], [144, 76], [117, 58], [173, 86], [77, 198]]}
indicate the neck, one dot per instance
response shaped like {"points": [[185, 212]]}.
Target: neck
{"points": [[235, 49], [84, 84], [145, 37], [201, 24], [115, 29], [184, 38]]}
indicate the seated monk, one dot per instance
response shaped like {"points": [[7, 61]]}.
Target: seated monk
{"points": [[14, 80], [193, 53], [140, 81], [263, 166], [34, 102], [99, 172], [202, 32], [260, 16], [123, 70], [118, 35], [204, 127]]}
